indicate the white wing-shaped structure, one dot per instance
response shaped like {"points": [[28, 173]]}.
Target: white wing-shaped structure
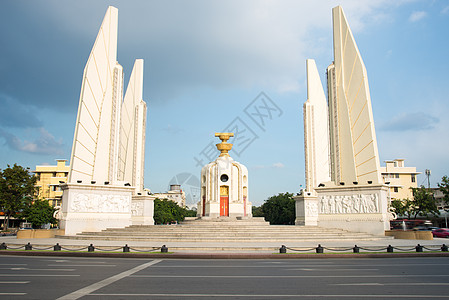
{"points": [[316, 130], [132, 130], [354, 153], [96, 140]]}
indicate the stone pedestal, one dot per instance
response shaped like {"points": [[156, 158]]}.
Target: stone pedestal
{"points": [[142, 210], [306, 209], [361, 208], [91, 207]]}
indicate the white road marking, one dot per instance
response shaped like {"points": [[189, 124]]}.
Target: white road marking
{"points": [[360, 296], [12, 294], [286, 276], [82, 265], [21, 269], [13, 264], [37, 275], [105, 282], [300, 266], [328, 270], [14, 282], [392, 284]]}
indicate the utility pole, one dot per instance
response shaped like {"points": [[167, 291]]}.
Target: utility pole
{"points": [[428, 178]]}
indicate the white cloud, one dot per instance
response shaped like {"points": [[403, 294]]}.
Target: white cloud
{"points": [[410, 121], [44, 144], [219, 44], [278, 165], [417, 16], [445, 10]]}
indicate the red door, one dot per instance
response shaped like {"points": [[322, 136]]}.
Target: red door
{"points": [[224, 201], [224, 206], [204, 205]]}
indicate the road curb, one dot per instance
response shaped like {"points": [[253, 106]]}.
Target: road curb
{"points": [[222, 255]]}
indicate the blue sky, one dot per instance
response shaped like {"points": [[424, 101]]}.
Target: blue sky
{"points": [[206, 65]]}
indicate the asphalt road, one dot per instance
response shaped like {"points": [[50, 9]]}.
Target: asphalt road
{"points": [[105, 278]]}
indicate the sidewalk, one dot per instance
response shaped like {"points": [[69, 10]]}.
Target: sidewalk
{"points": [[228, 247]]}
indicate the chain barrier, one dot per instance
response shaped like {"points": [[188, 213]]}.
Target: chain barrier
{"points": [[146, 250], [300, 250], [74, 250], [115, 249], [89, 248], [338, 249], [374, 250], [46, 248], [356, 249], [405, 249], [16, 248]]}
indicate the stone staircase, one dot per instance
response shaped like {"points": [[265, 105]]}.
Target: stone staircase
{"points": [[225, 230]]}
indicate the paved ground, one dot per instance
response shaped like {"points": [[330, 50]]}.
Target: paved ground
{"points": [[190, 247], [102, 278]]}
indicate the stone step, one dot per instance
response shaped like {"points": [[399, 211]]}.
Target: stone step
{"points": [[224, 231], [222, 240], [248, 236]]}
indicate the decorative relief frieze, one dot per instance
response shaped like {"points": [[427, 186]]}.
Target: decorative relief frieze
{"points": [[137, 208], [311, 208], [349, 204], [100, 203]]}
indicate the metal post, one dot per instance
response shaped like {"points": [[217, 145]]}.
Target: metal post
{"points": [[283, 249], [28, 246]]}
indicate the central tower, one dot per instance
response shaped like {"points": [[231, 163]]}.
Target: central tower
{"points": [[224, 185]]}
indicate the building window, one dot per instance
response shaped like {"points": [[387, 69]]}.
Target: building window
{"points": [[54, 174], [413, 178], [395, 189], [396, 175]]}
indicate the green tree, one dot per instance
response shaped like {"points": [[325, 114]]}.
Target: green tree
{"points": [[39, 213], [190, 212], [16, 190], [444, 188], [257, 211], [280, 209], [423, 203], [167, 211], [402, 207]]}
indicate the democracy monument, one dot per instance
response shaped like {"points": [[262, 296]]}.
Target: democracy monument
{"points": [[224, 186], [105, 183], [105, 187], [344, 188]]}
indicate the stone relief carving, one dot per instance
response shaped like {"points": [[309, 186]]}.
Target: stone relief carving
{"points": [[349, 204], [137, 208], [311, 209], [100, 203]]}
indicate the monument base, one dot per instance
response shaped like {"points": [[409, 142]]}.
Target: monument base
{"points": [[90, 207], [236, 210], [306, 210], [142, 210], [353, 208]]}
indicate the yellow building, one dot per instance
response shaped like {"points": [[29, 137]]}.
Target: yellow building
{"points": [[48, 180], [400, 178]]}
